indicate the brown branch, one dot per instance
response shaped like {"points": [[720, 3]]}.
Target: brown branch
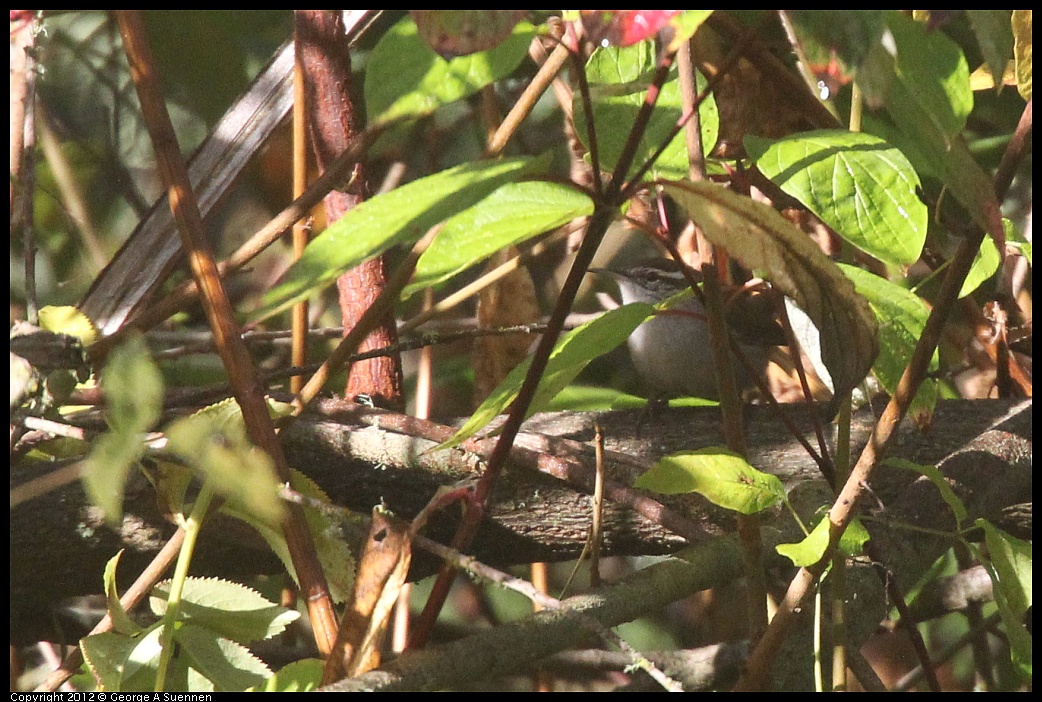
{"points": [[512, 647], [126, 286], [360, 456], [333, 124], [221, 317]]}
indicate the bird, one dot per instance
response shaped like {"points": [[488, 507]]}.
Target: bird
{"points": [[671, 352]]}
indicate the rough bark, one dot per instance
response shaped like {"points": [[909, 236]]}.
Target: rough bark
{"points": [[333, 122], [59, 544]]}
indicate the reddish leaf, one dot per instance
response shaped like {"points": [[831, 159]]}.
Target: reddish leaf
{"points": [[454, 33], [624, 27]]}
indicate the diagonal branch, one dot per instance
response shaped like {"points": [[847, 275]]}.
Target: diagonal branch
{"points": [[232, 349]]}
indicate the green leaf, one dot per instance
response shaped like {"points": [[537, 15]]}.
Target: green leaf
{"points": [[934, 476], [121, 621], [334, 554], [721, 476], [850, 33], [1022, 42], [770, 245], [857, 183], [928, 96], [106, 469], [133, 388], [299, 676], [621, 66], [855, 536], [138, 671], [929, 77], [813, 548], [992, 29], [512, 214], [619, 80], [232, 610], [985, 263], [1009, 567], [592, 398], [405, 78], [218, 448], [105, 655], [229, 665], [902, 316], [572, 353], [400, 216]]}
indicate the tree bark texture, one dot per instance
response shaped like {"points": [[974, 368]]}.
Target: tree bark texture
{"points": [[333, 122], [541, 508]]}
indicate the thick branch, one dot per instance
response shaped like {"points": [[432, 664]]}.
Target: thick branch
{"points": [[59, 544]]}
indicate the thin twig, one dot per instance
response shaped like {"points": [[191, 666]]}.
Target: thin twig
{"points": [[72, 195], [301, 230], [256, 244], [602, 217], [527, 100], [487, 573], [220, 315]]}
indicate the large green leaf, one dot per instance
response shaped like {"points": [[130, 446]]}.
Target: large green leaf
{"points": [[572, 353], [513, 213], [985, 263], [770, 245], [902, 316], [400, 216], [857, 183], [406, 78], [922, 80], [232, 610], [230, 666], [619, 80], [923, 69], [721, 476]]}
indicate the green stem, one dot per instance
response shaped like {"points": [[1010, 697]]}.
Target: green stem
{"points": [[192, 527]]}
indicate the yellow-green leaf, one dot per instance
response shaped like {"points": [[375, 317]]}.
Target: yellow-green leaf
{"points": [[721, 476]]}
